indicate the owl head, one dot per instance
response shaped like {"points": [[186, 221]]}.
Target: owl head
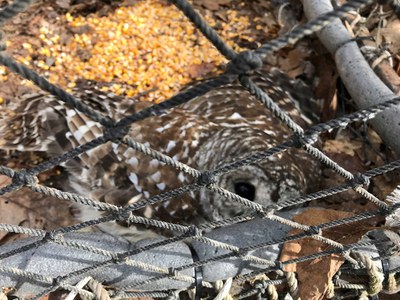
{"points": [[275, 179]]}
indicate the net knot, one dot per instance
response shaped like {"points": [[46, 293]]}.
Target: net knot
{"points": [[24, 178], [122, 214], [172, 296], [299, 140], [314, 230], [278, 265], [244, 62], [172, 272], [241, 252], [388, 210], [118, 258], [3, 45], [194, 231], [260, 286], [269, 210], [359, 179], [53, 236], [49, 236], [115, 133], [206, 178], [57, 281]]}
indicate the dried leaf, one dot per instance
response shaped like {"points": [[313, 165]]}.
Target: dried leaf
{"points": [[200, 71], [342, 146], [30, 209], [293, 63], [326, 85], [314, 275], [391, 34], [214, 4], [10, 212], [63, 4]]}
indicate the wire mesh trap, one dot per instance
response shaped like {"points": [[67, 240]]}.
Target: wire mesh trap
{"points": [[247, 250]]}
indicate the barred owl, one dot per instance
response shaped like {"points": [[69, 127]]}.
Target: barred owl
{"points": [[222, 126]]}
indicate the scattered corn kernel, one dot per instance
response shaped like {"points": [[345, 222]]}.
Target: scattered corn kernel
{"points": [[147, 45]]}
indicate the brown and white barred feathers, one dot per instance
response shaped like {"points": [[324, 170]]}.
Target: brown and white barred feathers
{"points": [[222, 126]]}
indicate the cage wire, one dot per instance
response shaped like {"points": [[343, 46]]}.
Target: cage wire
{"points": [[109, 268]]}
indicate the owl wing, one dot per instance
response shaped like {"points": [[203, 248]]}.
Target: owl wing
{"points": [[232, 106], [112, 173], [120, 175], [217, 103]]}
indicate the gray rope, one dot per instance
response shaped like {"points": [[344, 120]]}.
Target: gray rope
{"points": [[205, 29], [309, 28], [240, 65], [45, 85], [13, 9]]}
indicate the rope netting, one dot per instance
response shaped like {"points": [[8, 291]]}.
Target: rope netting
{"points": [[190, 274]]}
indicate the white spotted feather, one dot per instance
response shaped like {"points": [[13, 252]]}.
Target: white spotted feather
{"points": [[222, 126]]}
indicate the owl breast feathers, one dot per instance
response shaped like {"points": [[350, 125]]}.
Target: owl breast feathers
{"points": [[222, 126]]}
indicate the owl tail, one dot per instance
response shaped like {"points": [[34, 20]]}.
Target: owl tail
{"points": [[26, 127], [40, 122]]}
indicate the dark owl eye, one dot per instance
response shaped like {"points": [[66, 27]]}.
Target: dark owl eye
{"points": [[245, 190]]}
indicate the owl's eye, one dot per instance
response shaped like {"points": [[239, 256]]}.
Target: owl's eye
{"points": [[245, 190]]}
